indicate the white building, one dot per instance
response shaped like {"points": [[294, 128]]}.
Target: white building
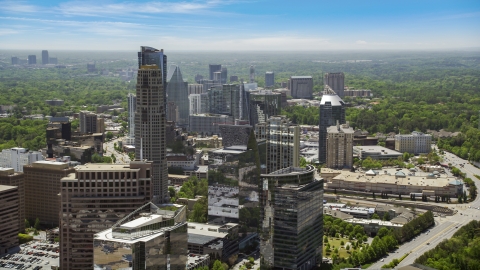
{"points": [[17, 157], [416, 143]]}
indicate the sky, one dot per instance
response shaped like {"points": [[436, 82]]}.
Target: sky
{"points": [[240, 25]]}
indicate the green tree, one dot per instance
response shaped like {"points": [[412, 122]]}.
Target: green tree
{"points": [[217, 265], [27, 224], [375, 216], [37, 224], [303, 162], [109, 136], [200, 209], [171, 192], [386, 216]]}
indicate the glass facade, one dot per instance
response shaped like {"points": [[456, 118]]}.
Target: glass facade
{"points": [[332, 109], [291, 219]]}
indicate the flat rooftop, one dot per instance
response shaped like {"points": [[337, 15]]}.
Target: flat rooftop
{"points": [[153, 218], [5, 188], [373, 149], [104, 167]]}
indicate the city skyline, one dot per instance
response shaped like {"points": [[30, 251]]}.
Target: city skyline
{"points": [[240, 25]]}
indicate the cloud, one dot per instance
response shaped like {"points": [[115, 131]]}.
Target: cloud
{"points": [[361, 42], [18, 6], [4, 32]]}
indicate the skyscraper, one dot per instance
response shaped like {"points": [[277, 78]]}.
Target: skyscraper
{"points": [[14, 60], [44, 57], [252, 74], [301, 87], [336, 82], [269, 79], [132, 105], [283, 142], [212, 68], [262, 105], [224, 75], [291, 219], [340, 147], [32, 59], [150, 117], [332, 109], [177, 92]]}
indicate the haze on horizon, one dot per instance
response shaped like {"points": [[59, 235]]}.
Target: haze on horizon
{"points": [[240, 25]]}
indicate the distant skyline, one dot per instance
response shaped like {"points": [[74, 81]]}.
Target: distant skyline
{"points": [[245, 25]]}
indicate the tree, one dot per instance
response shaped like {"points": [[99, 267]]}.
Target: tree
{"points": [[199, 213], [27, 224], [386, 216], [217, 265], [406, 156], [303, 162], [37, 224], [375, 216], [171, 192], [109, 136]]}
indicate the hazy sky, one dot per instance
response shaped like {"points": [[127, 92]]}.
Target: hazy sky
{"points": [[240, 24]]}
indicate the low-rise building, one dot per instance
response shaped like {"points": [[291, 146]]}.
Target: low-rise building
{"points": [[415, 143], [375, 152]]}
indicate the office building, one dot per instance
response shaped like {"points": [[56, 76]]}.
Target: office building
{"points": [[93, 198], [177, 92], [358, 93], [283, 142], [88, 122], [231, 95], [32, 59], [224, 75], [42, 184], [234, 135], [301, 87], [336, 81], [132, 107], [14, 60], [221, 241], [375, 152], [415, 143], [195, 89], [269, 79], [45, 57], [233, 78], [252, 74], [53, 60], [217, 77], [18, 157], [9, 177], [9, 217], [340, 146], [150, 118], [291, 218], [172, 112], [198, 103], [332, 109], [151, 237], [55, 102], [208, 124], [262, 105], [212, 68]]}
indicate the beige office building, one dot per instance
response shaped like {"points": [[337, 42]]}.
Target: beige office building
{"points": [[283, 142], [9, 218], [340, 146], [415, 143], [9, 177], [93, 199], [42, 185]]}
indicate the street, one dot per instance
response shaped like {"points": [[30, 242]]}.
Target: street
{"points": [[121, 158], [444, 227]]}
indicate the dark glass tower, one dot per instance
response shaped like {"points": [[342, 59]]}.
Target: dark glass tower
{"points": [[291, 217], [212, 68], [332, 109], [263, 104], [177, 92], [44, 57], [150, 118]]}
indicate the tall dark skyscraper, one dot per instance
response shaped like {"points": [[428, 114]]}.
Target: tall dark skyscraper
{"points": [[212, 68], [252, 74], [269, 79], [336, 81], [224, 75], [150, 117], [32, 59], [332, 109], [177, 92], [44, 57]]}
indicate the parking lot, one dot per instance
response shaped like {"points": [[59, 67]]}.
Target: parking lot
{"points": [[33, 255]]}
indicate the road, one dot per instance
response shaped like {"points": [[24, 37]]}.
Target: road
{"points": [[444, 227], [121, 158]]}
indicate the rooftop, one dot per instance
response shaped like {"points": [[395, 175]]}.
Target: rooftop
{"points": [[335, 100], [300, 77], [5, 188]]}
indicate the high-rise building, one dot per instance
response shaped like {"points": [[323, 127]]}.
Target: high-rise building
{"points": [[332, 109], [172, 112], [231, 94], [195, 89], [93, 198], [336, 81], [88, 122], [53, 60], [252, 74], [198, 103], [216, 100], [9, 218], [340, 146], [207, 124], [9, 177], [217, 77], [291, 219], [262, 105], [44, 57], [14, 60], [301, 87], [151, 237], [177, 92], [269, 79], [212, 68], [150, 117], [18, 157], [233, 78], [198, 78], [224, 75], [42, 184], [415, 143], [283, 142], [132, 107], [32, 59]]}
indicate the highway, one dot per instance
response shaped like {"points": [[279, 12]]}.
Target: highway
{"points": [[444, 227]]}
